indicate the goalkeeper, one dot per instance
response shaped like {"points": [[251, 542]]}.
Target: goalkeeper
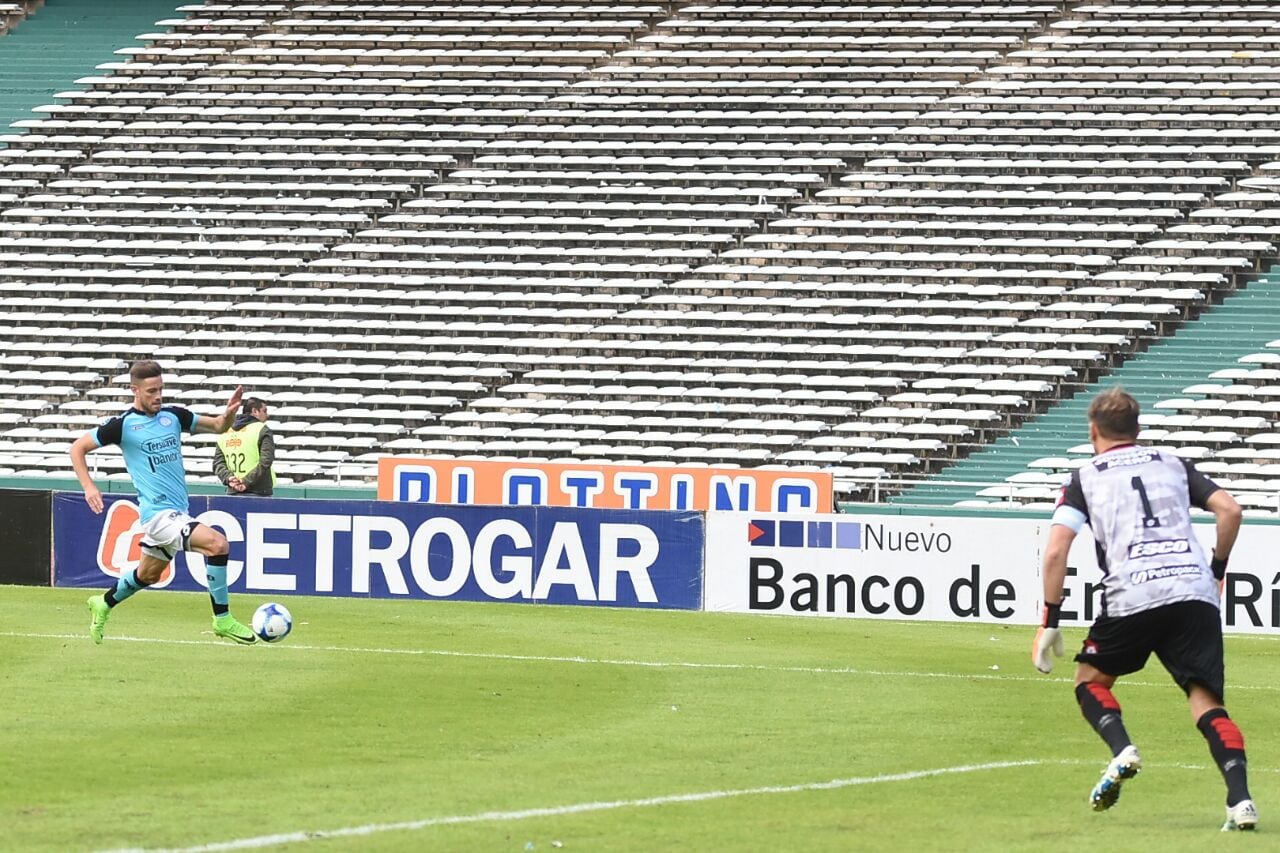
{"points": [[1160, 593]]}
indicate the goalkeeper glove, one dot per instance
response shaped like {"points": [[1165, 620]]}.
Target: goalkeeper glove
{"points": [[1218, 565], [1048, 638]]}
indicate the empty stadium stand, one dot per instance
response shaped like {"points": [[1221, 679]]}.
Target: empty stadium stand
{"points": [[1207, 394], [14, 12], [861, 236], [45, 47]]}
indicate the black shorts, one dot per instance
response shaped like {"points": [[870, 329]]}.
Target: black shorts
{"points": [[1186, 636]]}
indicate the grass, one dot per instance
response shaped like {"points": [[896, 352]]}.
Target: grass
{"points": [[455, 710]]}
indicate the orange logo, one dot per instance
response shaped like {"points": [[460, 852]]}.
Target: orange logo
{"points": [[120, 546]]}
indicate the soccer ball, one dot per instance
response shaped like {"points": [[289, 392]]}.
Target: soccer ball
{"points": [[272, 622]]}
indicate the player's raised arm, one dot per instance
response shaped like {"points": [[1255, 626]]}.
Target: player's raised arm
{"points": [[83, 446], [222, 422]]}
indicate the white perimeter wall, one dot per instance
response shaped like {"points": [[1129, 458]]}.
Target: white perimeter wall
{"points": [[939, 568]]}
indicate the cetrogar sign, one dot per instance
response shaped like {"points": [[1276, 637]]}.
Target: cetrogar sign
{"points": [[407, 550]]}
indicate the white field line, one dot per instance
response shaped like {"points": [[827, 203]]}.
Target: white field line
{"points": [[1163, 765], [115, 638], [587, 661], [577, 808], [301, 836]]}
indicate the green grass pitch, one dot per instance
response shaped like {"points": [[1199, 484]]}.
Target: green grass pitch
{"points": [[447, 726]]}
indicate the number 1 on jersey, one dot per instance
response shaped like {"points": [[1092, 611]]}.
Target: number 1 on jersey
{"points": [[1148, 518]]}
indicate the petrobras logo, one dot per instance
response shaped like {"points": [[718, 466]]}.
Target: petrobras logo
{"points": [[1164, 573], [774, 533], [120, 543]]}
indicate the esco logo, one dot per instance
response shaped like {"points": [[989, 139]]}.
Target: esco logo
{"points": [[120, 545], [1158, 548]]}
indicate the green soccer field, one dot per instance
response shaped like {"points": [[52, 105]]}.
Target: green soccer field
{"points": [[395, 725]]}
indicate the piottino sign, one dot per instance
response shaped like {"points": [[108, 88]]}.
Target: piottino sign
{"points": [[399, 550], [939, 568], [497, 483]]}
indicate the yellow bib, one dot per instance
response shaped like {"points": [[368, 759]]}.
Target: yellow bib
{"points": [[240, 449]]}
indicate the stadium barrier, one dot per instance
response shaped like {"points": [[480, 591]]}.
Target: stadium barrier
{"points": [[884, 566], [26, 515], [555, 555], [869, 564], [493, 482]]}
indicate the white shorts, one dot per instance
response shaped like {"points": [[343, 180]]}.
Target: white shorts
{"points": [[167, 533]]}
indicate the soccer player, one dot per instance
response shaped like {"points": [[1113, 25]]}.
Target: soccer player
{"points": [[1160, 593], [150, 434]]}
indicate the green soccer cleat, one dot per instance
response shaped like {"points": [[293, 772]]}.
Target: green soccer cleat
{"points": [[99, 611], [227, 626]]}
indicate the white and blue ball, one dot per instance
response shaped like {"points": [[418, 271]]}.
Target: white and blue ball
{"points": [[272, 622]]}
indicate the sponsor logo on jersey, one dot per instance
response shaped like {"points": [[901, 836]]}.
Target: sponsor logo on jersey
{"points": [[160, 445], [1158, 548], [1161, 573]]}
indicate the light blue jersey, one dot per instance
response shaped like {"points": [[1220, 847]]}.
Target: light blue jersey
{"points": [[152, 446]]}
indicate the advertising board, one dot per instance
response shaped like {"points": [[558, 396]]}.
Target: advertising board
{"points": [[553, 555], [497, 483], [940, 568]]}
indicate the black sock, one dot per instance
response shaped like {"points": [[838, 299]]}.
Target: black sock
{"points": [[1226, 744], [1102, 711]]}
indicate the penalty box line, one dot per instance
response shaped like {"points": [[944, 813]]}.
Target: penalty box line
{"points": [[574, 809], [588, 661]]}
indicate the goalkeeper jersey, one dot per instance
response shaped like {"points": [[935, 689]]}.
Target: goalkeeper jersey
{"points": [[1137, 501]]}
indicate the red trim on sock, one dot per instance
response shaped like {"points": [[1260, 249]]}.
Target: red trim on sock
{"points": [[1228, 733], [1103, 695]]}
